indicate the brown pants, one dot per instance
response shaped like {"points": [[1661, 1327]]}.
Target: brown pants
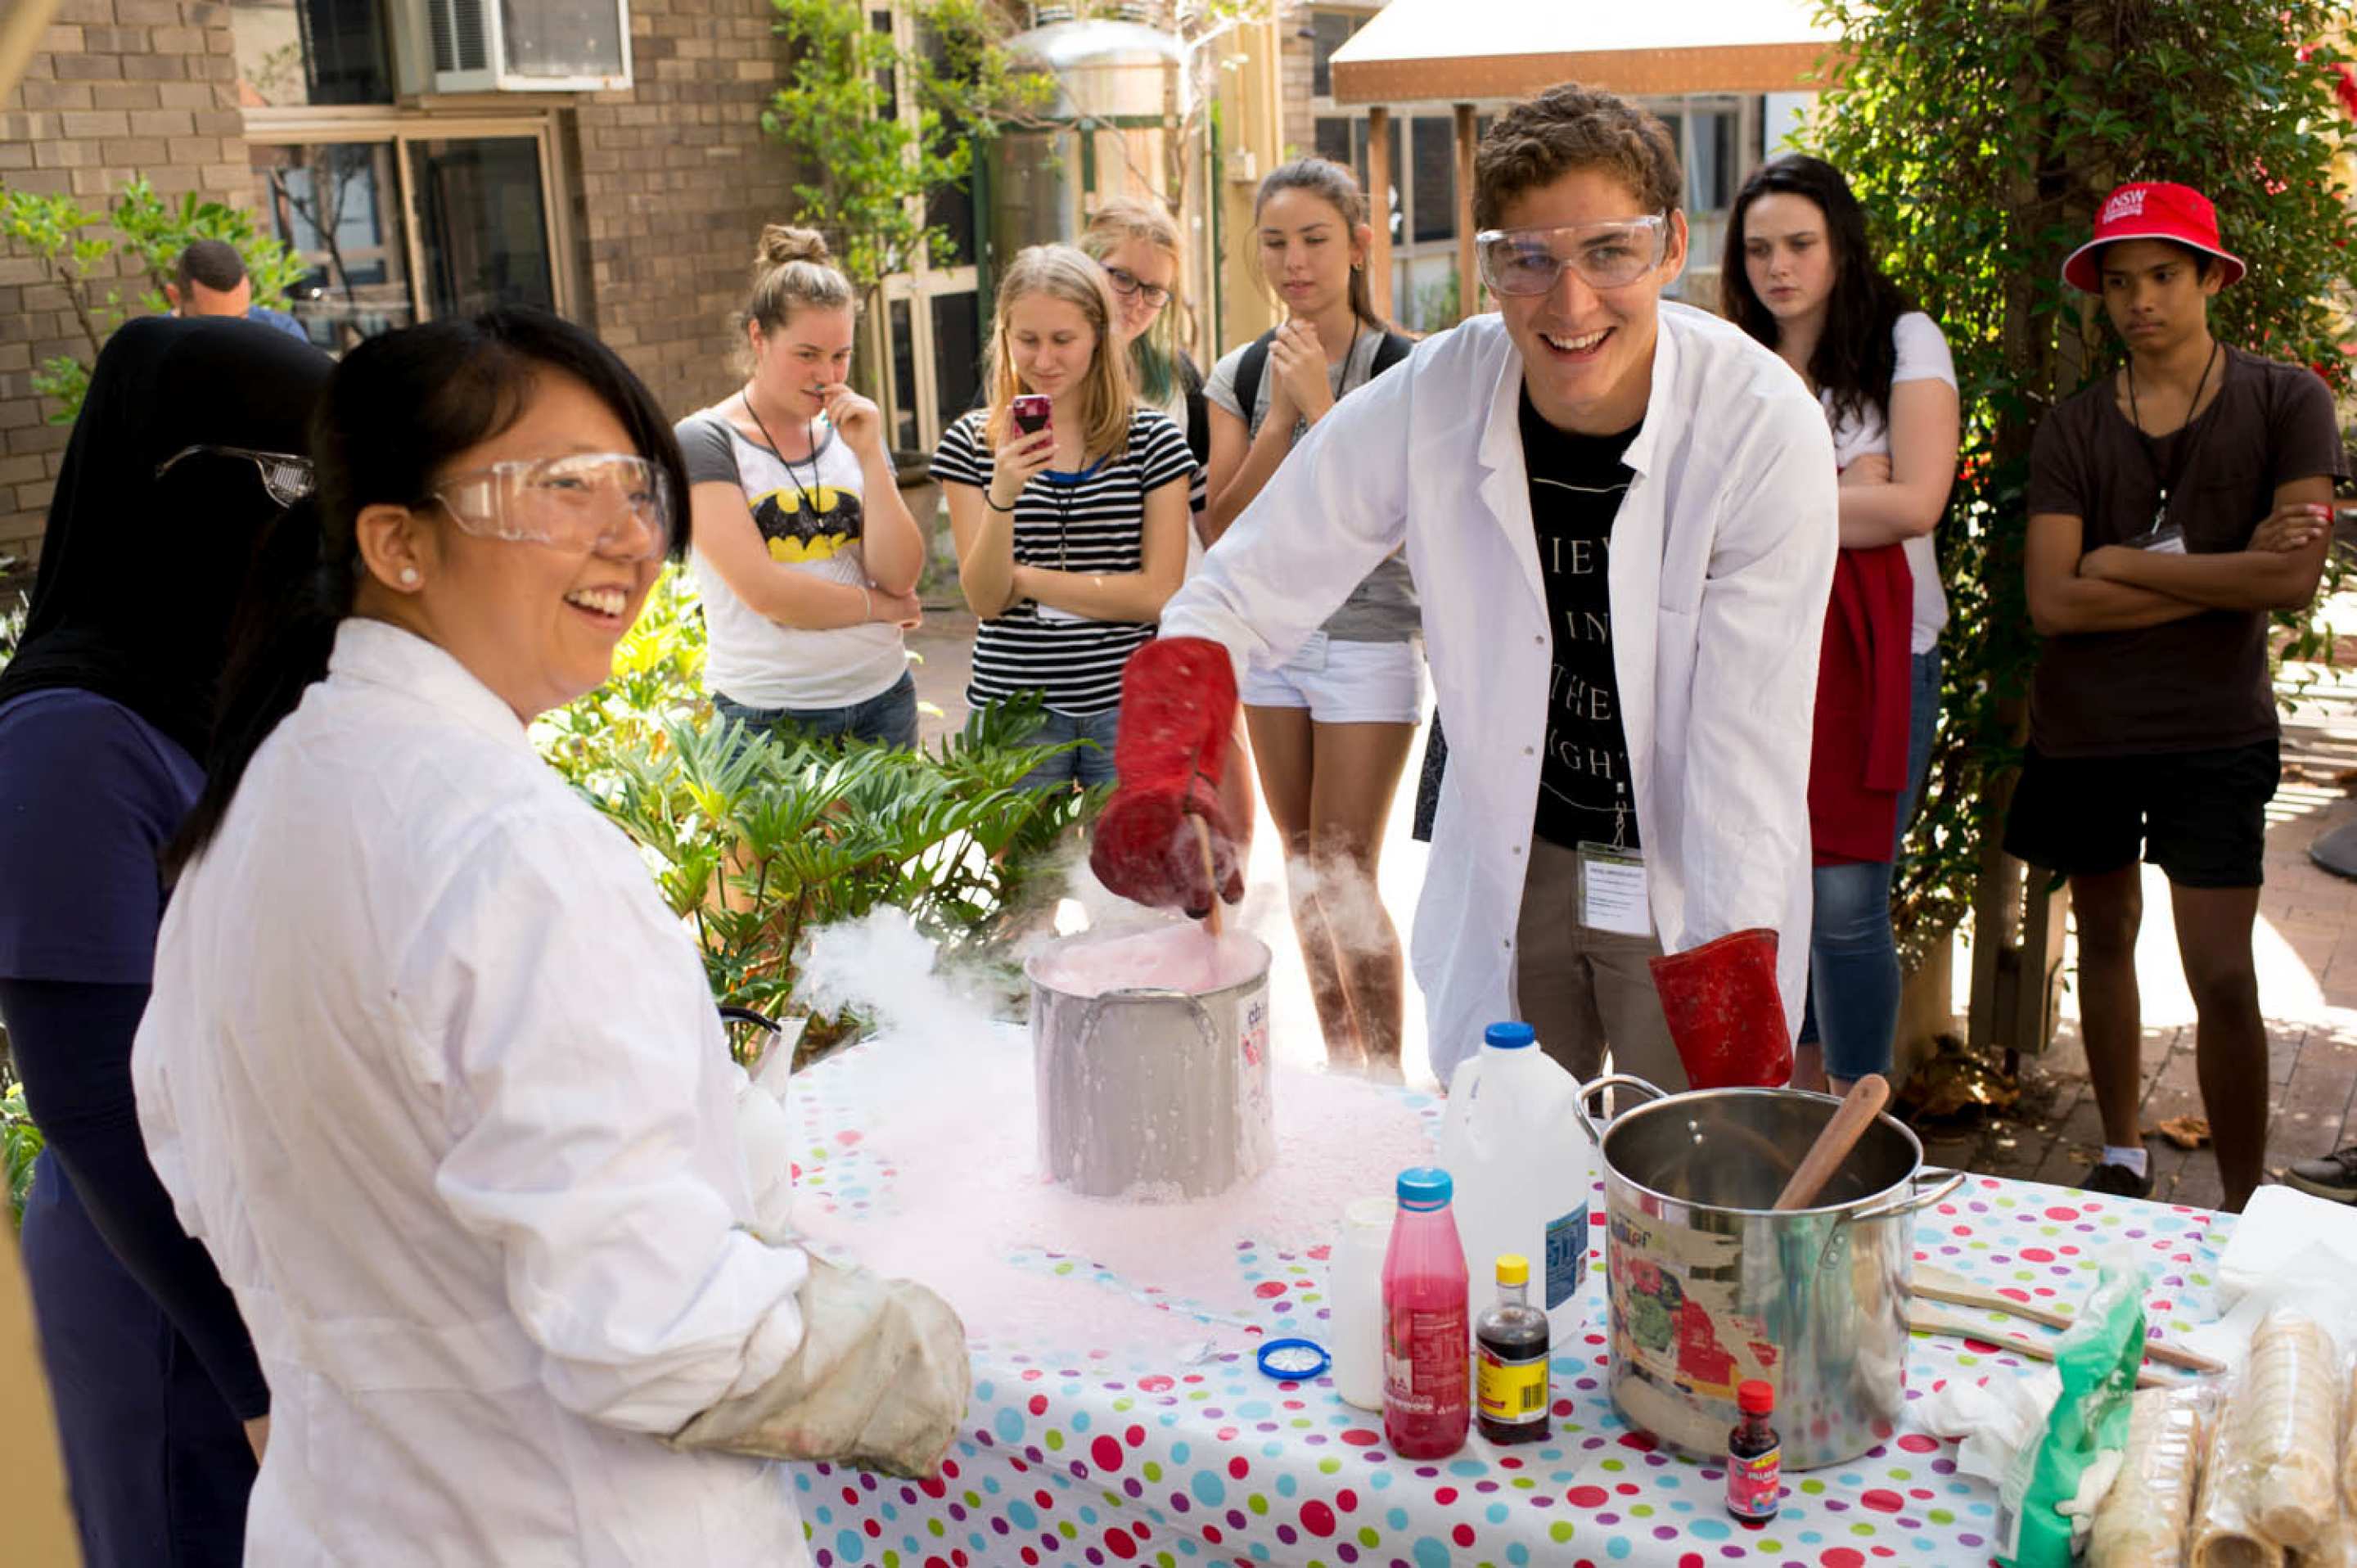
{"points": [[1587, 992]]}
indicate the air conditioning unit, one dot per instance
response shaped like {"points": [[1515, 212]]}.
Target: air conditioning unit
{"points": [[529, 45]]}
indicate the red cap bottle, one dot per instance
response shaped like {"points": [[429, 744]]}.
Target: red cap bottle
{"points": [[1754, 1456]]}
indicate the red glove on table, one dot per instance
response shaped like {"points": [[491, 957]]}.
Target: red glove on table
{"points": [[1177, 710], [1726, 1014]]}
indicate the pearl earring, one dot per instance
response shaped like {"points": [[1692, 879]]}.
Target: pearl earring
{"points": [[409, 576]]}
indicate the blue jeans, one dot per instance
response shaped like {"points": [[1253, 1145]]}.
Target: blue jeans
{"points": [[1922, 718], [1087, 766], [889, 716], [1853, 1006], [1853, 980]]}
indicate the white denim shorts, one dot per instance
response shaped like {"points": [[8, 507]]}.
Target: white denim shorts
{"points": [[1344, 682]]}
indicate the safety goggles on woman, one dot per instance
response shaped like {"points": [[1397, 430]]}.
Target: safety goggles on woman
{"points": [[615, 503], [1611, 254]]}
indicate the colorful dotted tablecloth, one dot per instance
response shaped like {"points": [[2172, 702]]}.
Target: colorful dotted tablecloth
{"points": [[1076, 1455]]}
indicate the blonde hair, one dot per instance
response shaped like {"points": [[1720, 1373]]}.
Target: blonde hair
{"points": [[1152, 353], [1059, 272], [790, 269]]}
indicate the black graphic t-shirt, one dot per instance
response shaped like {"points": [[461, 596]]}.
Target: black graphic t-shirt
{"points": [[1577, 483]]}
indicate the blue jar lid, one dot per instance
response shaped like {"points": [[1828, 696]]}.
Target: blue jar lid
{"points": [[1423, 1188], [1509, 1036], [1294, 1360]]}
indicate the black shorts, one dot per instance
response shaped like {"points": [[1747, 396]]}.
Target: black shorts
{"points": [[2201, 816]]}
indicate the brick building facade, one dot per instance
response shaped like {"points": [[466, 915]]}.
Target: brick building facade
{"points": [[634, 211], [119, 86]]}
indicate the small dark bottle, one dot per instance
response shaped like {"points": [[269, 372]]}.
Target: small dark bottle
{"points": [[1754, 1456], [1513, 1401]]}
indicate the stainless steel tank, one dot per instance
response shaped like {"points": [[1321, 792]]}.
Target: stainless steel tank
{"points": [[1112, 78]]}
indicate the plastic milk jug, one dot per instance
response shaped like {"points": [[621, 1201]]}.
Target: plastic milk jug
{"points": [[1523, 1171]]}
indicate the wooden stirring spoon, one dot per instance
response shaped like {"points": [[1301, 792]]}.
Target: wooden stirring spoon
{"points": [[1210, 870], [1856, 1113]]}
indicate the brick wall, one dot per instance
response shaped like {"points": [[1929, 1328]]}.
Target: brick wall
{"points": [[675, 182], [1298, 67], [120, 87]]}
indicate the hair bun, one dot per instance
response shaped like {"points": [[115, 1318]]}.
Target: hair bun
{"points": [[781, 243]]}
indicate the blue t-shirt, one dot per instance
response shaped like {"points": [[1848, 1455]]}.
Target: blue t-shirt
{"points": [[278, 319], [88, 796]]}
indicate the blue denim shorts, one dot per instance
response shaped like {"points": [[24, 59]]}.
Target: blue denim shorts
{"points": [[1087, 766], [889, 716]]}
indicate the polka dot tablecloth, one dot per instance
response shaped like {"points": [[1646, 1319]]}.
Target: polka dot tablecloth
{"points": [[1073, 1456]]}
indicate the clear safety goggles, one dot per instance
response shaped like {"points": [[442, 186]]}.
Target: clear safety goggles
{"points": [[613, 503], [1606, 255], [287, 477]]}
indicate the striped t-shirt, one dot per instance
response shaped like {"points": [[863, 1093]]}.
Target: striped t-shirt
{"points": [[1093, 520]]}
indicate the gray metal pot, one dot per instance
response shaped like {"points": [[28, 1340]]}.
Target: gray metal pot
{"points": [[1153, 1095], [1710, 1287]]}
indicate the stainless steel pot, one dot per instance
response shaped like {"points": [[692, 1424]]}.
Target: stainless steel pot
{"points": [[1709, 1287], [1153, 1095]]}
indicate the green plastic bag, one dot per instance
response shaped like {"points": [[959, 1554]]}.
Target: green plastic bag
{"points": [[2098, 1357]]}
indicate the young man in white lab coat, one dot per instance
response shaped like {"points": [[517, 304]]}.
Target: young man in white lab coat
{"points": [[1620, 516]]}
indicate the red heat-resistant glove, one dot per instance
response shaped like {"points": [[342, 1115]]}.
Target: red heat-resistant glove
{"points": [[1725, 1013], [1177, 710]]}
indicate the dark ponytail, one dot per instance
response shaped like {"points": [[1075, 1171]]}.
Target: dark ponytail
{"points": [[279, 641], [396, 413]]}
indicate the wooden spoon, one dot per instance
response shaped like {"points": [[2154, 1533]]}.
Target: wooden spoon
{"points": [[1933, 1284], [1857, 1112], [1210, 870]]}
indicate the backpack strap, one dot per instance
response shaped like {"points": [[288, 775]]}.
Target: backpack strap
{"points": [[1395, 347], [1249, 370], [1199, 412]]}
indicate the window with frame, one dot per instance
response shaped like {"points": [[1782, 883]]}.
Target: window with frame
{"points": [[402, 214], [1329, 31]]}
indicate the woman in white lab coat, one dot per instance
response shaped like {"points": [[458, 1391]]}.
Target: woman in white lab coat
{"points": [[429, 1067]]}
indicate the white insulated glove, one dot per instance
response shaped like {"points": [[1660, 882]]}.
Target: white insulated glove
{"points": [[880, 1381]]}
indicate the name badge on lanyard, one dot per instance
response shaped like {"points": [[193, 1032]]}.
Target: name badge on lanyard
{"points": [[1612, 896]]}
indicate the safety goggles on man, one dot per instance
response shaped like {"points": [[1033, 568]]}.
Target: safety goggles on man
{"points": [[612, 502], [1606, 255], [285, 476]]}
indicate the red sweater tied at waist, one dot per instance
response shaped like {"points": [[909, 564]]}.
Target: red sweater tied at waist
{"points": [[1857, 762]]}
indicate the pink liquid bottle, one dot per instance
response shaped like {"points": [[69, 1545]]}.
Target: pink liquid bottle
{"points": [[1427, 1340]]}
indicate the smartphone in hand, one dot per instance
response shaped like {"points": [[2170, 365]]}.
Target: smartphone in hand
{"points": [[1032, 411]]}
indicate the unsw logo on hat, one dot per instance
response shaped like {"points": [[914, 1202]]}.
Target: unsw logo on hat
{"points": [[2154, 209]]}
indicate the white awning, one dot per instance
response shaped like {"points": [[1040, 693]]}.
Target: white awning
{"points": [[1468, 50]]}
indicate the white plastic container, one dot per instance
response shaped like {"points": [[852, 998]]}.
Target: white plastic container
{"points": [[1354, 1296], [1524, 1173]]}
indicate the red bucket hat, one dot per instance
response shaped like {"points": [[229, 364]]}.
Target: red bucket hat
{"points": [[2154, 209]]}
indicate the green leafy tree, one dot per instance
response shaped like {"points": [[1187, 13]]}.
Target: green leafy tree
{"points": [[870, 168], [149, 233], [1982, 134]]}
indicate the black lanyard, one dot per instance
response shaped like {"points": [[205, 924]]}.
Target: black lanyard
{"points": [[1060, 493], [806, 500], [2185, 436]]}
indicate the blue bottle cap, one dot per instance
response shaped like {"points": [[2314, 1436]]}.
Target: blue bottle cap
{"points": [[1294, 1360], [1509, 1036], [1423, 1188]]}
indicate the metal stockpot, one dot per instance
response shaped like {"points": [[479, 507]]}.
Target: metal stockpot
{"points": [[1153, 1095], [1710, 1287]]}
